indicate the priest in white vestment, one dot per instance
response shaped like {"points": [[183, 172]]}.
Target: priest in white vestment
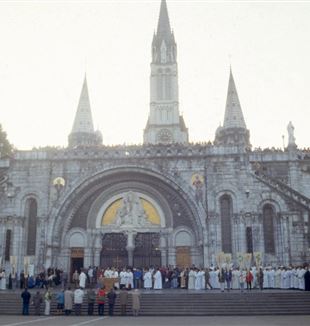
{"points": [[82, 279], [158, 280], [147, 278], [191, 279]]}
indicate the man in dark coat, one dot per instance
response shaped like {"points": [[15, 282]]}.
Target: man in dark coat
{"points": [[123, 300], [37, 301], [26, 299], [307, 279], [111, 300]]}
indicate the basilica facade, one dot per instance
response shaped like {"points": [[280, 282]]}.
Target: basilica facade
{"points": [[166, 202]]}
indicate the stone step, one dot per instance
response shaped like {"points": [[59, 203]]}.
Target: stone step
{"points": [[181, 303]]}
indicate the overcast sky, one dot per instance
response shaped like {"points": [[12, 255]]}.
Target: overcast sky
{"points": [[47, 46]]}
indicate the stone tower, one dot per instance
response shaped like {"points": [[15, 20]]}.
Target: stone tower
{"points": [[83, 133], [165, 125], [234, 131]]}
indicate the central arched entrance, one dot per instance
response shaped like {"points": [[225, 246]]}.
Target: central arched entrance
{"points": [[130, 217]]}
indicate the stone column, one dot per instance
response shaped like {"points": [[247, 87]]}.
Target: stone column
{"points": [[172, 256], [130, 246], [97, 250], [163, 250], [87, 257]]}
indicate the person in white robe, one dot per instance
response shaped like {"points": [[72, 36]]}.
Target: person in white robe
{"points": [[108, 273], [198, 279], [301, 280], [158, 280], [147, 278], [254, 273], [115, 275], [203, 279], [129, 280], [82, 279], [123, 278], [283, 278], [191, 279], [288, 274], [278, 278], [235, 279], [265, 282], [272, 278], [296, 282], [2, 280]]}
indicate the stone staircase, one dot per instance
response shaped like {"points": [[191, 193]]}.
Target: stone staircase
{"points": [[200, 303], [284, 189]]}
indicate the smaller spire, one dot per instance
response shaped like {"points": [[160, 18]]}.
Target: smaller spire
{"points": [[233, 113], [83, 121]]}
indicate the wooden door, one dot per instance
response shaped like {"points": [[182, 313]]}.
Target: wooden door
{"points": [[183, 257]]}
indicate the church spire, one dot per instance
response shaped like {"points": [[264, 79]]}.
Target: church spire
{"points": [[83, 133], [233, 113], [163, 28], [234, 131], [165, 125]]}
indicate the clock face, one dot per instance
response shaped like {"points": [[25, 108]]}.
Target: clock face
{"points": [[164, 136]]}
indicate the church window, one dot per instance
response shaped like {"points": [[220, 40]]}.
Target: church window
{"points": [[226, 215], [268, 225], [31, 215]]}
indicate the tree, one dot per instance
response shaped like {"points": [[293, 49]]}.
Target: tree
{"points": [[5, 147]]}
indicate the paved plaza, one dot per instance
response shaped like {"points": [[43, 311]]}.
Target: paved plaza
{"points": [[154, 321]]}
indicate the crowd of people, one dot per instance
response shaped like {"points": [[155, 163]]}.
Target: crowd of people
{"points": [[89, 285]]}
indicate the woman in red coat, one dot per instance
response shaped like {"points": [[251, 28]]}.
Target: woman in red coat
{"points": [[249, 279]]}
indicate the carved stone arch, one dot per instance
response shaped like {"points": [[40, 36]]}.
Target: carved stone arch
{"points": [[273, 199], [186, 230], [24, 199], [68, 238], [227, 192], [96, 183]]}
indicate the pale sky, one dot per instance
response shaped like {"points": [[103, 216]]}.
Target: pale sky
{"points": [[47, 46]]}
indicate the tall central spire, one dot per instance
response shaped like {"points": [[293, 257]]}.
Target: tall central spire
{"points": [[163, 28], [165, 125]]}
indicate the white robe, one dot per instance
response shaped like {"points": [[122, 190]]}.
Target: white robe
{"points": [[147, 277], [123, 277], [265, 279], [129, 280], [158, 281], [235, 279], [82, 279], [301, 280], [278, 279], [2, 281], [191, 280]]}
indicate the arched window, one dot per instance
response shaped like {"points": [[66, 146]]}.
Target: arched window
{"points": [[226, 215], [268, 224], [31, 215]]}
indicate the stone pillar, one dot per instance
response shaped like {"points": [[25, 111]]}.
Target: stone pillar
{"points": [[172, 256], [97, 250], [163, 250], [130, 246], [87, 257]]}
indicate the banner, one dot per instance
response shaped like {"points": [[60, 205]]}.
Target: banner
{"points": [[240, 260], [248, 260], [258, 258]]}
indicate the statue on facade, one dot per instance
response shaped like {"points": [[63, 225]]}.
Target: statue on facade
{"points": [[291, 137], [131, 212]]}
